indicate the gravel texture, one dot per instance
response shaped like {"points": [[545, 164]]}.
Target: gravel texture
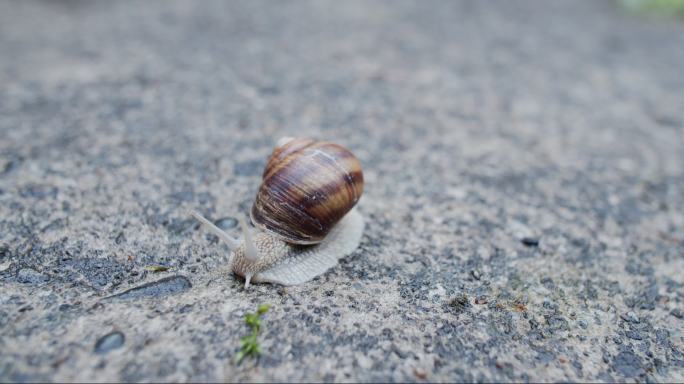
{"points": [[524, 165]]}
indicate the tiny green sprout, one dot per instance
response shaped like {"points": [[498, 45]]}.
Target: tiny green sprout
{"points": [[156, 268], [249, 346], [263, 308]]}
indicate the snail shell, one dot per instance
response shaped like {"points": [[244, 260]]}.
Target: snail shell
{"points": [[307, 187], [305, 208]]}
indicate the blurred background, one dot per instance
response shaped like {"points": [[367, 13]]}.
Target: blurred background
{"points": [[663, 7], [524, 166]]}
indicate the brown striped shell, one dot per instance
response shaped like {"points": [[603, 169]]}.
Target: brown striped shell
{"points": [[307, 187]]}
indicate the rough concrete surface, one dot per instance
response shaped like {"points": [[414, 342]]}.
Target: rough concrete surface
{"points": [[524, 165]]}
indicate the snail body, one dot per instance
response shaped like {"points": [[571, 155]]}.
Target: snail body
{"points": [[305, 212], [290, 264]]}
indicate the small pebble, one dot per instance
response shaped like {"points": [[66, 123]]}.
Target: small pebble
{"points": [[606, 357], [634, 335], [226, 223], [5, 266], [109, 342], [420, 374], [630, 317], [583, 324]]}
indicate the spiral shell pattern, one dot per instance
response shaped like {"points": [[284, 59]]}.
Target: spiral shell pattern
{"points": [[307, 187]]}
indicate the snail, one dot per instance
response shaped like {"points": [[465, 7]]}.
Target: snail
{"points": [[304, 211]]}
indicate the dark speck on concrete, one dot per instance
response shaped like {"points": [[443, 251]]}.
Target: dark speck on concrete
{"points": [[26, 308], [530, 241], [4, 251], [109, 342], [606, 357], [10, 165], [547, 282], [628, 364], [459, 304], [630, 317], [677, 313], [120, 238]]}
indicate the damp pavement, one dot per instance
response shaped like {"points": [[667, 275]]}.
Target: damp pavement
{"points": [[524, 166]]}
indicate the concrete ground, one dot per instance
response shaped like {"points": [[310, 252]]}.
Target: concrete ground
{"points": [[524, 165]]}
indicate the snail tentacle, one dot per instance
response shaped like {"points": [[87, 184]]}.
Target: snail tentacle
{"points": [[231, 242], [251, 252]]}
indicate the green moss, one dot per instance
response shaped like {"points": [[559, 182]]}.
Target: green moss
{"points": [[664, 7], [249, 345]]}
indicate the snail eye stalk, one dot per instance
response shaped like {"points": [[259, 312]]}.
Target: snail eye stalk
{"points": [[231, 242], [251, 252]]}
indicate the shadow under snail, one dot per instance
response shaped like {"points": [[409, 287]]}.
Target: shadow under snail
{"points": [[305, 212]]}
